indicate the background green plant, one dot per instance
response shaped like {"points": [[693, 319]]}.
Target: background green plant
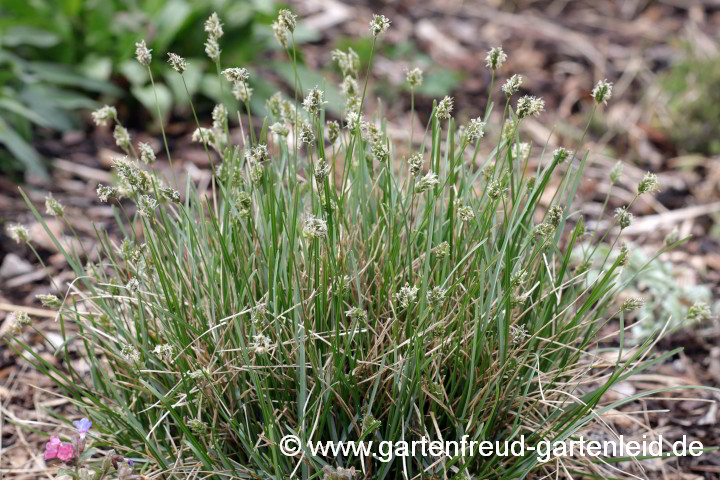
{"points": [[60, 57], [693, 88]]}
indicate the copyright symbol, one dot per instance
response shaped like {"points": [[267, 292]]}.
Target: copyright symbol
{"points": [[290, 445]]}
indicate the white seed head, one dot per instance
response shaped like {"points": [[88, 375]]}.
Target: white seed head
{"points": [[415, 163], [357, 314], [436, 295], [130, 353], [425, 183], [236, 74], [322, 170], [512, 85], [219, 116], [466, 213], [380, 152], [315, 227], [257, 154], [213, 26], [287, 19], [242, 91], [602, 92], [442, 250], [560, 155], [122, 137], [495, 58], [527, 106], [146, 205], [212, 48], [19, 233], [18, 321], [475, 129], [353, 120], [53, 207], [204, 135], [616, 172], [349, 63], [379, 25], [406, 295], [103, 114], [261, 344], [444, 108], [414, 77], [280, 129], [49, 300], [314, 101], [496, 189], [306, 134], [622, 217], [147, 154], [104, 192], [169, 194], [520, 151], [554, 215], [142, 53], [349, 86], [649, 184], [274, 104], [257, 173], [281, 34], [632, 304], [177, 63], [699, 312], [333, 131], [165, 352], [352, 104], [518, 334]]}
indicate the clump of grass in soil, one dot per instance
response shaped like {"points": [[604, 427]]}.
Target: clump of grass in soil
{"points": [[334, 291]]}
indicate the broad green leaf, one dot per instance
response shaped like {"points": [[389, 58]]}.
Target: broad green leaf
{"points": [[27, 35], [21, 149], [146, 96]]}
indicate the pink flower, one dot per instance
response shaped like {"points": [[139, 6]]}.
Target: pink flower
{"points": [[51, 448], [65, 452], [57, 449]]}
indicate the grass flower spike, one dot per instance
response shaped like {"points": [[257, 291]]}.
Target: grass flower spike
{"points": [[512, 85], [213, 26], [495, 58], [602, 92], [103, 115], [529, 106], [649, 184], [142, 53], [177, 63], [53, 207], [287, 20], [19, 233], [444, 108], [379, 25], [414, 77], [236, 74], [315, 227]]}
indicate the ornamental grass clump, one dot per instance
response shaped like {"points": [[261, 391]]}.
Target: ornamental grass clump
{"points": [[335, 286]]}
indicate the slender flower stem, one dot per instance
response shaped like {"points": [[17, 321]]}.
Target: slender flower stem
{"points": [[160, 120]]}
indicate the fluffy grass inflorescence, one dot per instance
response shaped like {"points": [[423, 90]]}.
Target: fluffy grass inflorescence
{"points": [[322, 292]]}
